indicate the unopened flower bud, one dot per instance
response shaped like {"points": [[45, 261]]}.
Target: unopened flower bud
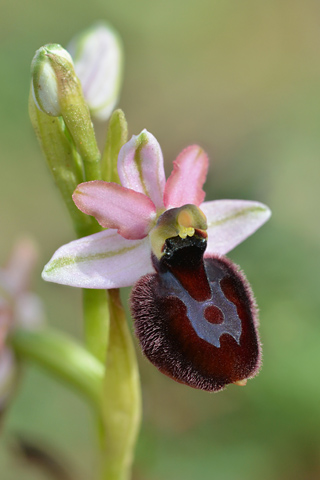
{"points": [[45, 68], [97, 55], [57, 91]]}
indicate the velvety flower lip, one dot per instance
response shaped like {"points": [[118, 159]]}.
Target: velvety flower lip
{"points": [[121, 255], [196, 318]]}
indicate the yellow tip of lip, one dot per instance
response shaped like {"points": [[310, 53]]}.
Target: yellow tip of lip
{"points": [[241, 383]]}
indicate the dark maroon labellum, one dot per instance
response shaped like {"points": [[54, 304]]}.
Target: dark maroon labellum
{"points": [[196, 318]]}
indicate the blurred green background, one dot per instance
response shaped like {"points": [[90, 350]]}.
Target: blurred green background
{"points": [[242, 79]]}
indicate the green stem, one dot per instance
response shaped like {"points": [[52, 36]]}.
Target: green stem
{"points": [[62, 357], [96, 322], [122, 399]]}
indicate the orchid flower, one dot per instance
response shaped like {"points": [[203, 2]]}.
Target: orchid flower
{"points": [[18, 306], [194, 312], [120, 255]]}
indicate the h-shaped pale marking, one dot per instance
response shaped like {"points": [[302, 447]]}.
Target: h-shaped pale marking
{"points": [[208, 331]]}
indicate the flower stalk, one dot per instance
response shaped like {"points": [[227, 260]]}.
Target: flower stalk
{"points": [[96, 322], [121, 397]]}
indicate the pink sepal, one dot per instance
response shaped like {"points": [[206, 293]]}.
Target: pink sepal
{"points": [[103, 260], [232, 221]]}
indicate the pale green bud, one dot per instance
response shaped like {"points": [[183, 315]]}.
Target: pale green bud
{"points": [[56, 91], [48, 62]]}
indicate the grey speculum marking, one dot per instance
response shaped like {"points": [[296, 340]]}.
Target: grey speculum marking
{"points": [[209, 332]]}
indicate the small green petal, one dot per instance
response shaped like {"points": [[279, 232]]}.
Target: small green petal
{"points": [[117, 136]]}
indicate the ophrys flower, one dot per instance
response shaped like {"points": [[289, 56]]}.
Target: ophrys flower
{"points": [[120, 255]]}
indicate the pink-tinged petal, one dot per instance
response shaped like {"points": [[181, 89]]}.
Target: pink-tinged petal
{"points": [[130, 212], [29, 310], [7, 376], [98, 58], [187, 178], [232, 221], [140, 167], [6, 320], [20, 265], [103, 260]]}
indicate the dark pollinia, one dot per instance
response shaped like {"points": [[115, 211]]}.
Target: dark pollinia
{"points": [[196, 318]]}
